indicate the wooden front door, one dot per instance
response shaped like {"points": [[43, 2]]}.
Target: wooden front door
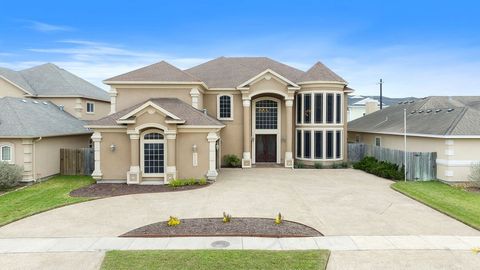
{"points": [[266, 148]]}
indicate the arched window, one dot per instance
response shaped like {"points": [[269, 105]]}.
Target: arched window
{"points": [[266, 114], [6, 153], [225, 107], [153, 154]]}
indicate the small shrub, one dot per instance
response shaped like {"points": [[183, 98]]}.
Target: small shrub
{"points": [[226, 217], [344, 165], [474, 176], [232, 161], [202, 181], [380, 168], [318, 165], [335, 165], [187, 182], [278, 219], [10, 175], [299, 164], [173, 221]]}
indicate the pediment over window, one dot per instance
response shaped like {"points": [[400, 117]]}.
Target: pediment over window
{"points": [[268, 82], [151, 108], [268, 74]]}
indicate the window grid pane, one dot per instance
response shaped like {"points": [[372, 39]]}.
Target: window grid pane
{"points": [[307, 111], [299, 143], [330, 144], [307, 144], [299, 108], [266, 114], [225, 107], [318, 144], [339, 109], [330, 108], [6, 153], [318, 108], [338, 144], [153, 136], [153, 157]]}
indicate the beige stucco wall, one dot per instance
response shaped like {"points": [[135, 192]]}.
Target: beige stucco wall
{"points": [[115, 165], [18, 149], [184, 155], [102, 108], [454, 156], [47, 153], [129, 96], [9, 90]]}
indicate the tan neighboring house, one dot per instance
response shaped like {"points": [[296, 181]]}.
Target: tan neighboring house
{"points": [[32, 132], [168, 123], [449, 126], [49, 82]]}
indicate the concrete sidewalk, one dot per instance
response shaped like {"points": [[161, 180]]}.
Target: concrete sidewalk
{"points": [[333, 243]]}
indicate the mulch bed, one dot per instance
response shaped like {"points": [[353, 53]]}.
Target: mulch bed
{"points": [[110, 190], [473, 189], [257, 227]]}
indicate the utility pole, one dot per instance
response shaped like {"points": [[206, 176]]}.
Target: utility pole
{"points": [[381, 94]]}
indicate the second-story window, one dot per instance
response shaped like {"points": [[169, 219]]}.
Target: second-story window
{"points": [[90, 107], [225, 107]]}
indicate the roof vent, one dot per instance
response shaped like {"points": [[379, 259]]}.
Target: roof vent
{"points": [[36, 102], [421, 111], [411, 101], [204, 111], [412, 112], [24, 101], [429, 111], [450, 110], [61, 107], [400, 102], [45, 103], [406, 102], [438, 110]]}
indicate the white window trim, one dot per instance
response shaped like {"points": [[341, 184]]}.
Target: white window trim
{"points": [[324, 108], [324, 142], [375, 141], [92, 112], [276, 132], [142, 156], [231, 107], [12, 152]]}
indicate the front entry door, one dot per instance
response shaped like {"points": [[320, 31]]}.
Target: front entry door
{"points": [[266, 148]]}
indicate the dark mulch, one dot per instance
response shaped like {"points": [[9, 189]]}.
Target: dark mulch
{"points": [[473, 189], [19, 185], [110, 190], [259, 227]]}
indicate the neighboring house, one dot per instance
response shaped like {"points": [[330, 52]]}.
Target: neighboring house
{"points": [[169, 123], [32, 131], [449, 126], [77, 96], [359, 106]]}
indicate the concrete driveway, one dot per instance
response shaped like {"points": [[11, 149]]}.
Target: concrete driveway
{"points": [[336, 202]]}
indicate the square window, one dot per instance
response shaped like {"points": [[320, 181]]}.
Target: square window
{"points": [[90, 107]]}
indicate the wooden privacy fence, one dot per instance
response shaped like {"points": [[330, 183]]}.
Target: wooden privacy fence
{"points": [[420, 165], [76, 161]]}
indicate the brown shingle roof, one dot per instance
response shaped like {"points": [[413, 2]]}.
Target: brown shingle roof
{"points": [[184, 111], [161, 71], [320, 72]]}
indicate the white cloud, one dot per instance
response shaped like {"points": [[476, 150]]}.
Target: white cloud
{"points": [[46, 27]]}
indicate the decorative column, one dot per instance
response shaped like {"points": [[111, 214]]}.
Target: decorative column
{"points": [[247, 140], [134, 175], [194, 93], [78, 108], [171, 173], [289, 121], [113, 100], [97, 172], [212, 156], [27, 160]]}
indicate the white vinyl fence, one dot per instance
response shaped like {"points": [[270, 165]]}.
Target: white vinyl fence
{"points": [[420, 165]]}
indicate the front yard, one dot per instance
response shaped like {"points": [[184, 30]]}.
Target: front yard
{"points": [[41, 197], [455, 202], [216, 259]]}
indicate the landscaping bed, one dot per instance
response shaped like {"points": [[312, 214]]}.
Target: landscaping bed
{"points": [[257, 227], [110, 190], [216, 259]]}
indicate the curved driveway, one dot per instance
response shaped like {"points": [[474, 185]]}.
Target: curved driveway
{"points": [[336, 202]]}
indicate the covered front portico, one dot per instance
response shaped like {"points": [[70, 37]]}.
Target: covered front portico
{"points": [[268, 119]]}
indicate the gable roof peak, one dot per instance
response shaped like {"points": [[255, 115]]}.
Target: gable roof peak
{"points": [[320, 72]]}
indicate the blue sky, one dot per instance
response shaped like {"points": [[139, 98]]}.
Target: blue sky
{"points": [[418, 47]]}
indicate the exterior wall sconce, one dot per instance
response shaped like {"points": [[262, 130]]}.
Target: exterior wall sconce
{"points": [[194, 148], [113, 147]]}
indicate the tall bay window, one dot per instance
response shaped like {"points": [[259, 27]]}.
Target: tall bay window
{"points": [[338, 111], [330, 108], [319, 144], [307, 109], [318, 108], [299, 108]]}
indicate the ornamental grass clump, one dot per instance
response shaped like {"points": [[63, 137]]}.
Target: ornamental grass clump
{"points": [[173, 221], [279, 219], [474, 176], [226, 217], [10, 175]]}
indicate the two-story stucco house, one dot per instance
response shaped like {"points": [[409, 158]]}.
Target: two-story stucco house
{"points": [[168, 123]]}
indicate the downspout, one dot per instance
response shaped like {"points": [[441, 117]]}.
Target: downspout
{"points": [[34, 159]]}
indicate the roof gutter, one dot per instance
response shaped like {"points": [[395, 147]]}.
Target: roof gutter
{"points": [[420, 135]]}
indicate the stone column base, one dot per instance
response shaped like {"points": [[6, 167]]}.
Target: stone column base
{"points": [[97, 175], [134, 176], [288, 160], [212, 175], [246, 160], [171, 174]]}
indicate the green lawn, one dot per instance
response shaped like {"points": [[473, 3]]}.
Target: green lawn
{"points": [[41, 197], [455, 202], [216, 259]]}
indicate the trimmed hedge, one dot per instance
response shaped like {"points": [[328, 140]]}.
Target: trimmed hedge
{"points": [[380, 168]]}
